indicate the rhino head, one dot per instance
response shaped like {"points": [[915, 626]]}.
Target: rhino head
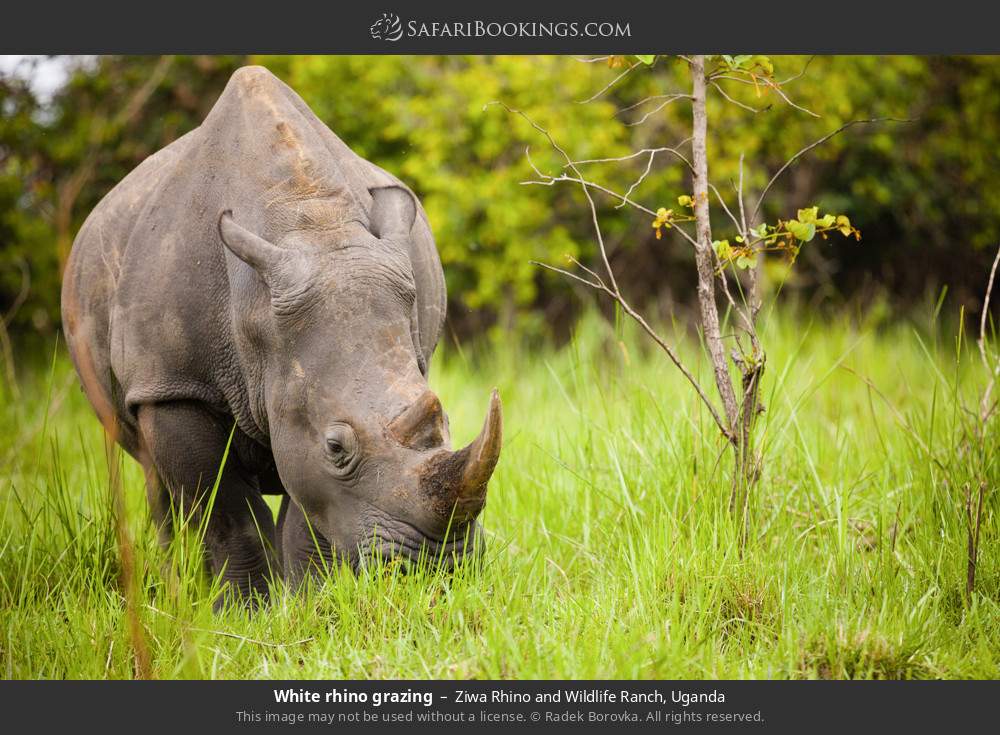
{"points": [[359, 440]]}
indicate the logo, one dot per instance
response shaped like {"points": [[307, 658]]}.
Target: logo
{"points": [[387, 28]]}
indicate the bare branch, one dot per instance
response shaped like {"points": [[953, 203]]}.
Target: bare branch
{"points": [[754, 110], [581, 266], [814, 144], [583, 184], [741, 313], [739, 198], [667, 99], [612, 290], [789, 102], [663, 344], [644, 118], [527, 155], [725, 208], [635, 184], [630, 156], [680, 366], [754, 276], [770, 85], [569, 274], [986, 305], [552, 180], [651, 98], [609, 85], [800, 74], [984, 405]]}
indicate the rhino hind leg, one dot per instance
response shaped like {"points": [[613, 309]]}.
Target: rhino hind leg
{"points": [[183, 447], [158, 499]]}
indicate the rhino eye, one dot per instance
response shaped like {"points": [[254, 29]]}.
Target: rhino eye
{"points": [[341, 445]]}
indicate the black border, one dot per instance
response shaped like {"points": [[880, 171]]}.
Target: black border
{"points": [[338, 27]]}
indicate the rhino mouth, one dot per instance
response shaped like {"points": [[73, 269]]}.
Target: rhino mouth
{"points": [[406, 543], [428, 552]]}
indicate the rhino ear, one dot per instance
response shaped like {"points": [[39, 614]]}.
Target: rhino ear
{"points": [[393, 212], [253, 250]]}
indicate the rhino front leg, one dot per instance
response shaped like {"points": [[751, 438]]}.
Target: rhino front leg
{"points": [[304, 550], [185, 443]]}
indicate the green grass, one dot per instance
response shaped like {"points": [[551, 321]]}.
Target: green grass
{"points": [[610, 552]]}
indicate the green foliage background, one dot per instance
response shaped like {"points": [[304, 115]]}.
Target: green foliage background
{"points": [[921, 191]]}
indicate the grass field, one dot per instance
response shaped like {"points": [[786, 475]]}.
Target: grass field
{"points": [[610, 549]]}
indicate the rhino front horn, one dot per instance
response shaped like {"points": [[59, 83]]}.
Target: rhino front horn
{"points": [[481, 456], [458, 479]]}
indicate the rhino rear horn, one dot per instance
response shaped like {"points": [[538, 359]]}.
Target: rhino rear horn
{"points": [[421, 426], [252, 249]]}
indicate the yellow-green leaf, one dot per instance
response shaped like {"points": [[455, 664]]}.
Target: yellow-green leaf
{"points": [[808, 215], [723, 249], [844, 225], [804, 231]]}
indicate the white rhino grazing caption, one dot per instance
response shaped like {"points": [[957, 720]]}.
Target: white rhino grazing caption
{"points": [[257, 273]]}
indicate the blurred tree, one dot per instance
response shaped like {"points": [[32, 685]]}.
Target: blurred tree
{"points": [[919, 187], [919, 191], [58, 157]]}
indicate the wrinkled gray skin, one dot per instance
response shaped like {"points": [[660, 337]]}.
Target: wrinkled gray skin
{"points": [[257, 272]]}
